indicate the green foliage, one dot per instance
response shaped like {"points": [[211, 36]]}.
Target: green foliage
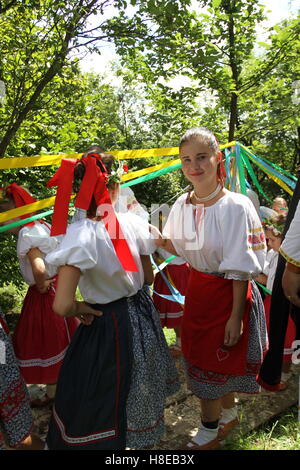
{"points": [[11, 297]]}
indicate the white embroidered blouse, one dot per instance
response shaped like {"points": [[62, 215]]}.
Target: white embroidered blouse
{"points": [[36, 236], [88, 247], [226, 237], [290, 247]]}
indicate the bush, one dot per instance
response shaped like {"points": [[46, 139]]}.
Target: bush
{"points": [[11, 297]]}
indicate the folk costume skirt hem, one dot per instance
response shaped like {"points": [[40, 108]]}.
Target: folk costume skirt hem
{"points": [[212, 369], [16, 419], [154, 374], [171, 313], [41, 338], [90, 404]]}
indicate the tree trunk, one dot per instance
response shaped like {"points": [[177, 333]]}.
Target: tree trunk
{"points": [[234, 70], [233, 116]]}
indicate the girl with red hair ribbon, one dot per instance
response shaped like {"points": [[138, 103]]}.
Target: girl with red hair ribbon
{"points": [[40, 338], [117, 373]]}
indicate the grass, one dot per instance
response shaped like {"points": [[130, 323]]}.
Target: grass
{"points": [[280, 433], [170, 335]]}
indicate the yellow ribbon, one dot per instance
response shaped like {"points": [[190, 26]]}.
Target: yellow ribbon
{"points": [[28, 208], [274, 178], [150, 169], [46, 160]]}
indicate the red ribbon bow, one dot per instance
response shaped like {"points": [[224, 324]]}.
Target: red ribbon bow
{"points": [[93, 185], [20, 197]]}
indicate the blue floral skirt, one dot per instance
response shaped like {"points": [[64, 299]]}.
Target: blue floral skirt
{"points": [[15, 413]]}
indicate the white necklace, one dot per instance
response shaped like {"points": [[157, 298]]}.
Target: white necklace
{"points": [[210, 196]]}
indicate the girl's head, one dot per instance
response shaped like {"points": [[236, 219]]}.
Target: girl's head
{"points": [[201, 157], [280, 205], [112, 186], [273, 230]]}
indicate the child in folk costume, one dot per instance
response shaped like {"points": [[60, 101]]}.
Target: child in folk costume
{"points": [[15, 413], [177, 272], [273, 230], [117, 372], [41, 338], [223, 329]]}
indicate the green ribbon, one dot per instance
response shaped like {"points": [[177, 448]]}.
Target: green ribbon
{"points": [[151, 176], [241, 170], [264, 288], [252, 174]]}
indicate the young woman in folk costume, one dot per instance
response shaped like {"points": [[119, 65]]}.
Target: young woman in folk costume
{"points": [[117, 372], [16, 419], [41, 338], [219, 234]]}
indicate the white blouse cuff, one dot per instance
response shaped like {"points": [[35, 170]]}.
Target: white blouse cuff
{"points": [[238, 276]]}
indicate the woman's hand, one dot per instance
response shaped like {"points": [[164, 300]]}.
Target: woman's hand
{"points": [[85, 313], [43, 288], [233, 331]]}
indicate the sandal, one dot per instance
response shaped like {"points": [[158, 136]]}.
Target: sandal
{"points": [[211, 445], [41, 402], [225, 428], [282, 386]]}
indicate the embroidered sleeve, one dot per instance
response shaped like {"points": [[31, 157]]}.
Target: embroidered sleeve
{"points": [[243, 239]]}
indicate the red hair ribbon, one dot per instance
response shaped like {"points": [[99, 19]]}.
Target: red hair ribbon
{"points": [[63, 179], [93, 185], [221, 172], [20, 197]]}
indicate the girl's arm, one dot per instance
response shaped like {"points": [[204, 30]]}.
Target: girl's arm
{"points": [[234, 326], [64, 303], [38, 270], [148, 271], [161, 242]]}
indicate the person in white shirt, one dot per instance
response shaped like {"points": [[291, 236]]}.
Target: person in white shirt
{"points": [[117, 373], [223, 329], [40, 338], [273, 229], [290, 250]]}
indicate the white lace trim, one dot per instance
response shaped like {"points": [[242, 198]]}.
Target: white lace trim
{"points": [[38, 362], [84, 439], [238, 276]]}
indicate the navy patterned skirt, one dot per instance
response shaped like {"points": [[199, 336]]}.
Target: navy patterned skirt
{"points": [[115, 378], [154, 374]]}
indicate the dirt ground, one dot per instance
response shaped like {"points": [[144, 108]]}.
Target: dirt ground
{"points": [[183, 411]]}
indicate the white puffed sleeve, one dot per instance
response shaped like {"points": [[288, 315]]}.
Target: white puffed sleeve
{"points": [[78, 247], [140, 228], [179, 226], [243, 240], [37, 236], [290, 248]]}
